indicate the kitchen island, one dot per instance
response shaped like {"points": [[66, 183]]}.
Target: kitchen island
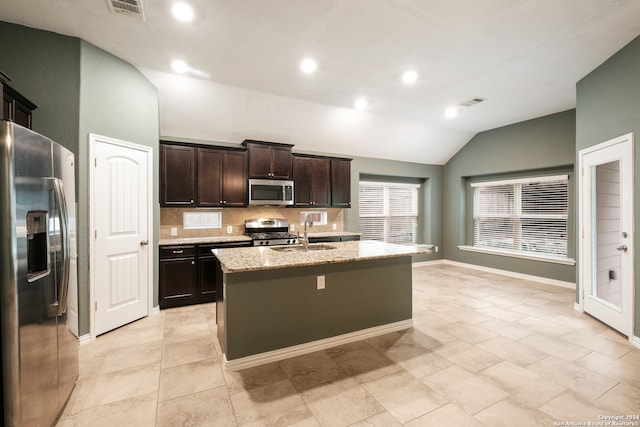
{"points": [[280, 302]]}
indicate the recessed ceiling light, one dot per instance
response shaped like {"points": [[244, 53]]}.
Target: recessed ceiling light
{"points": [[182, 12], [451, 112], [409, 77], [179, 66], [308, 65], [361, 104]]}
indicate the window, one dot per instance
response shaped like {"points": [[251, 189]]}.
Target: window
{"points": [[389, 212], [523, 215], [317, 217]]}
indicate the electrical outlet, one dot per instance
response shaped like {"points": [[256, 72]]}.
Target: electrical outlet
{"points": [[174, 231], [335, 226], [229, 229], [435, 248], [320, 282], [292, 227]]}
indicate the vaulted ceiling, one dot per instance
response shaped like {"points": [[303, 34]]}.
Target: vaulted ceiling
{"points": [[523, 57]]}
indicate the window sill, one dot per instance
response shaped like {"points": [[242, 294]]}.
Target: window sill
{"points": [[514, 254]]}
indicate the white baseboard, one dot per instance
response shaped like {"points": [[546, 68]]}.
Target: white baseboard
{"points": [[635, 341], [427, 263], [578, 307], [310, 347], [84, 339], [522, 276], [155, 310]]}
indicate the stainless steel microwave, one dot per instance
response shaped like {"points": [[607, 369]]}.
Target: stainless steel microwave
{"points": [[270, 192]]}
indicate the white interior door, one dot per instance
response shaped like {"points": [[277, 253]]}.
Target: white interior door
{"points": [[121, 217], [606, 240]]}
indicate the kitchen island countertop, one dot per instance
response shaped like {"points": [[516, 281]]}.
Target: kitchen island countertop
{"points": [[236, 260]]}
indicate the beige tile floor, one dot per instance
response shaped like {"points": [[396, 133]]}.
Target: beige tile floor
{"points": [[484, 350]]}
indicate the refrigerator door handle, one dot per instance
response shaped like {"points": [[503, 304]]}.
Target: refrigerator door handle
{"points": [[63, 285]]}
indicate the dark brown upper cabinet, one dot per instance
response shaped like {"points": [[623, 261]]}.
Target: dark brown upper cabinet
{"points": [[268, 160], [222, 177], [16, 107], [341, 183], [177, 175], [312, 181], [202, 176]]}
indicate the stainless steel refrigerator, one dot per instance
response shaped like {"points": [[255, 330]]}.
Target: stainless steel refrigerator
{"points": [[37, 266]]}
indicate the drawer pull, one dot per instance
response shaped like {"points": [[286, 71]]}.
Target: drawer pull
{"points": [[178, 252]]}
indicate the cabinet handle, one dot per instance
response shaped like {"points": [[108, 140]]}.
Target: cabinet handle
{"points": [[191, 200], [144, 242], [178, 252], [193, 262]]}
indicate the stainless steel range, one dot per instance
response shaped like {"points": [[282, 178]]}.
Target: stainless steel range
{"points": [[269, 232]]}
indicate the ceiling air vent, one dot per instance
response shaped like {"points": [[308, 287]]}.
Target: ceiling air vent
{"points": [[472, 102], [127, 7]]}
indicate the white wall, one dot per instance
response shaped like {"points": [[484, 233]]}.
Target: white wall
{"points": [[207, 111]]}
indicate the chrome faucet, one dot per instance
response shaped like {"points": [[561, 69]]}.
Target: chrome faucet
{"points": [[305, 241]]}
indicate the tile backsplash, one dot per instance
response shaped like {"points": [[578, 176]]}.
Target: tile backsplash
{"points": [[235, 217]]}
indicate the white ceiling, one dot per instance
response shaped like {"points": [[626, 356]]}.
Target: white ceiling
{"points": [[523, 56]]}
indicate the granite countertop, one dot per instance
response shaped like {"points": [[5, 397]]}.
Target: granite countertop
{"points": [[236, 260], [202, 240], [238, 238]]}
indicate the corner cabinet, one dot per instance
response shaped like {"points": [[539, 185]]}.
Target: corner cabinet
{"points": [[312, 181], [189, 273], [268, 160], [16, 107], [200, 176]]}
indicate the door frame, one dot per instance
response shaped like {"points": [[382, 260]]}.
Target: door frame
{"points": [[584, 252], [93, 140]]}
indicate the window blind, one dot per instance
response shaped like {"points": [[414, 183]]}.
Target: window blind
{"points": [[389, 212], [527, 215]]}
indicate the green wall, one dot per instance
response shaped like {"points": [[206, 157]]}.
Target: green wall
{"points": [[541, 145], [45, 68], [81, 89], [119, 102], [608, 106]]}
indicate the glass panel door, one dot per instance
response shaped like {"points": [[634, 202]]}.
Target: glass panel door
{"points": [[607, 231], [606, 273]]}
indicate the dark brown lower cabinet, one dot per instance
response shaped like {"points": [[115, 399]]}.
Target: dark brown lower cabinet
{"points": [[189, 273], [328, 239], [178, 275]]}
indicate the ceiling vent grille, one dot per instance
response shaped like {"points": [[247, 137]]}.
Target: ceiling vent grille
{"points": [[127, 7], [472, 102]]}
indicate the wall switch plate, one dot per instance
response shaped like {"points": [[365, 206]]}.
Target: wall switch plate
{"points": [[174, 231], [229, 229], [435, 248], [320, 282], [292, 227], [335, 226]]}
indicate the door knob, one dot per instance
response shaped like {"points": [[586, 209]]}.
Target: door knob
{"points": [[144, 242], [622, 248]]}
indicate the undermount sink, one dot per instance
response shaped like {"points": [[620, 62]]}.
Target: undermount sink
{"points": [[300, 248]]}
